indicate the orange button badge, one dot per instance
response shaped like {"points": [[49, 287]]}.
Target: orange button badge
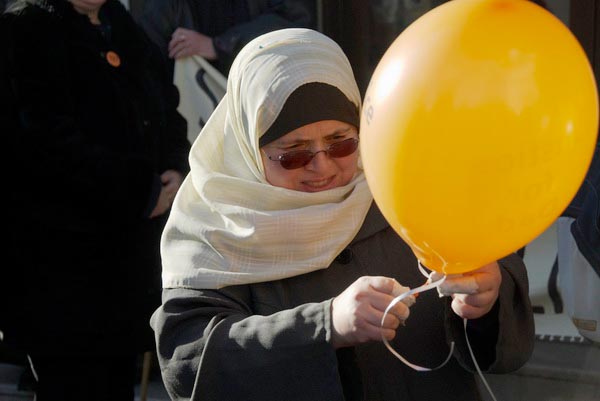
{"points": [[113, 59]]}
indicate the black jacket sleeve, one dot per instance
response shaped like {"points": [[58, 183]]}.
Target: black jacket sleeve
{"points": [[211, 347]]}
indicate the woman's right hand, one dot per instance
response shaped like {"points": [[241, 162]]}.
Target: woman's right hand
{"points": [[357, 312], [171, 181]]}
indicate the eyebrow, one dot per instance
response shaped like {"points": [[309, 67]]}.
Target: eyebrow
{"points": [[340, 131], [329, 136]]}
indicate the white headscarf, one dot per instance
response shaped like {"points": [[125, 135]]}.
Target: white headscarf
{"points": [[228, 225]]}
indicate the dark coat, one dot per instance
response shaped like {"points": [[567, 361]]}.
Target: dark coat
{"points": [[87, 142], [271, 341], [585, 209], [231, 24]]}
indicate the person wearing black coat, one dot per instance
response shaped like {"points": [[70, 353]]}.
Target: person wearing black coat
{"points": [[278, 267], [96, 151], [218, 29]]}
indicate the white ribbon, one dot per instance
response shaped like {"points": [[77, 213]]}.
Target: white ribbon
{"points": [[432, 283]]}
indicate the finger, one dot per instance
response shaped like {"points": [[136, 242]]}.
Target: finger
{"points": [[176, 50], [388, 334], [488, 277], [169, 174], [185, 52], [467, 311], [391, 321], [381, 302], [178, 32], [479, 300], [373, 317], [375, 332], [459, 284], [177, 39], [399, 290], [170, 190], [170, 183], [472, 311], [172, 43], [382, 284]]}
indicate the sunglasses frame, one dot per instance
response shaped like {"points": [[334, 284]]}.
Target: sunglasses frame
{"points": [[282, 158]]}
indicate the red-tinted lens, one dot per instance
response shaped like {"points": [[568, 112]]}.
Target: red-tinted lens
{"points": [[343, 148], [300, 158], [296, 159]]}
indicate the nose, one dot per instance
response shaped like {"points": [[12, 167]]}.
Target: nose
{"points": [[319, 151], [320, 159]]}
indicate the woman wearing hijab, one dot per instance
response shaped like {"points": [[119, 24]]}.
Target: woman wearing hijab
{"points": [[278, 266], [97, 152]]}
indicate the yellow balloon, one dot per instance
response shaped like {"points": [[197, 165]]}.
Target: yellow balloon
{"points": [[478, 127]]}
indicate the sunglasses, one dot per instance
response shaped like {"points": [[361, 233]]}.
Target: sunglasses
{"points": [[300, 158]]}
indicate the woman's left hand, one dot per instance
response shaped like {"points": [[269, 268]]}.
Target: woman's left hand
{"points": [[186, 42], [473, 293]]}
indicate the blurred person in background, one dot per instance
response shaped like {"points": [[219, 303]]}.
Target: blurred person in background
{"points": [[218, 29], [97, 152]]}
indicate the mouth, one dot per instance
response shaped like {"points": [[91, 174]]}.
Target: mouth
{"points": [[319, 185]]}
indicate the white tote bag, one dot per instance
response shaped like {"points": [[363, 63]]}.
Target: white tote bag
{"points": [[201, 87]]}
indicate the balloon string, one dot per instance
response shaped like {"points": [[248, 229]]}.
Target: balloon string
{"points": [[422, 269], [485, 383], [399, 298], [416, 291]]}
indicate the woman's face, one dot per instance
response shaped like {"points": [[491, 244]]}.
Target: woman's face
{"points": [[323, 171]]}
